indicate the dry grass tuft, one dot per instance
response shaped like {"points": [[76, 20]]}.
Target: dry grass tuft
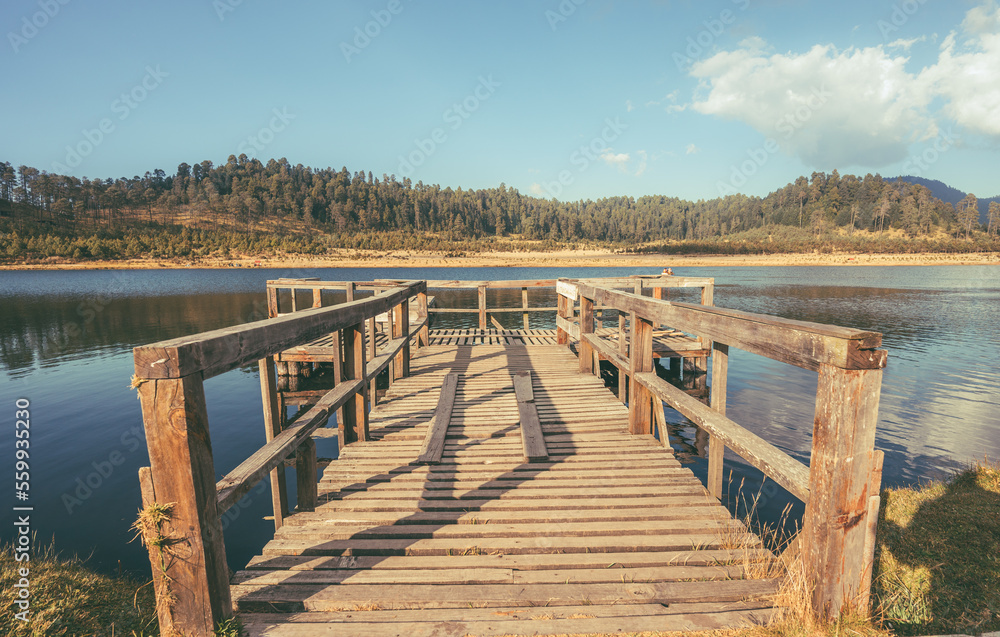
{"points": [[67, 598]]}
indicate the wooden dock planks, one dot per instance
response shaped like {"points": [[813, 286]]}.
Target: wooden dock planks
{"points": [[608, 532], [532, 440]]}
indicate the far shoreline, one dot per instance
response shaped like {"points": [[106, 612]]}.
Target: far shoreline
{"points": [[559, 258]]}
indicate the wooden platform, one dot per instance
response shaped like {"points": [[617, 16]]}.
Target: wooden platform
{"points": [[610, 533]]}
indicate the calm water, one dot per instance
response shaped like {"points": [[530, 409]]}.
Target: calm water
{"points": [[66, 339]]}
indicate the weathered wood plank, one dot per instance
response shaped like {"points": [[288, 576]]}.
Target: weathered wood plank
{"points": [[218, 351], [240, 480], [433, 446], [319, 598], [532, 440]]}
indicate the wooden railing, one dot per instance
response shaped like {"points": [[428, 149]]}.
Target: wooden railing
{"points": [[840, 485], [657, 283], [190, 574]]}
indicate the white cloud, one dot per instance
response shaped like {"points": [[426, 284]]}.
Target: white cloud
{"points": [[982, 19], [906, 44], [859, 106], [829, 107], [628, 106], [615, 159], [536, 189], [968, 78], [642, 163], [691, 150], [755, 43]]}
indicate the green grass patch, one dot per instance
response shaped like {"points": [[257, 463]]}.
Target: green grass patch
{"points": [[938, 558], [68, 599]]}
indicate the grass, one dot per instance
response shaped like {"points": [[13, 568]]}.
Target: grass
{"points": [[68, 599], [938, 559]]}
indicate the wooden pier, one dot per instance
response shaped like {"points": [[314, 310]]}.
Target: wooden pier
{"points": [[499, 487]]}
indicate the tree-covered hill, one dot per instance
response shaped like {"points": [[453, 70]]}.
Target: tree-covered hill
{"points": [[338, 207]]}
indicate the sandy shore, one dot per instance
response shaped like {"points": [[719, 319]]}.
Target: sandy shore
{"points": [[568, 258]]}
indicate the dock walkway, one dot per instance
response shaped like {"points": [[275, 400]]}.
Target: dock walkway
{"points": [[609, 533], [500, 487]]}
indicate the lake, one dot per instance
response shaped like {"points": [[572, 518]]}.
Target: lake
{"points": [[66, 341]]}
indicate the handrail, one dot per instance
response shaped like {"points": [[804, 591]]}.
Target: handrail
{"points": [[170, 377], [800, 343], [213, 353], [841, 483]]}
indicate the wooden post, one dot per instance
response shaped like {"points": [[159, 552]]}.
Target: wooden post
{"points": [[623, 350], [565, 310], [707, 298], [272, 302], [586, 352], [640, 360], [372, 351], [716, 448], [840, 482], [317, 297], [524, 304], [355, 425], [306, 480], [424, 335], [295, 301], [180, 457], [401, 329], [482, 307], [272, 427], [658, 295]]}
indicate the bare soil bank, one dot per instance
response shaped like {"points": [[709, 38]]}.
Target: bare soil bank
{"points": [[565, 258]]}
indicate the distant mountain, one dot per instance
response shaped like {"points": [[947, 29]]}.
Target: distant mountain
{"points": [[947, 194]]}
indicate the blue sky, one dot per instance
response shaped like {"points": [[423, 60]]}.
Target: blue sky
{"points": [[568, 98]]}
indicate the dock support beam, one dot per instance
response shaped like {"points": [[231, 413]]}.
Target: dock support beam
{"points": [[586, 352], [716, 448], [482, 307], [424, 336], [182, 473], [640, 413], [355, 425], [841, 483], [272, 427]]}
